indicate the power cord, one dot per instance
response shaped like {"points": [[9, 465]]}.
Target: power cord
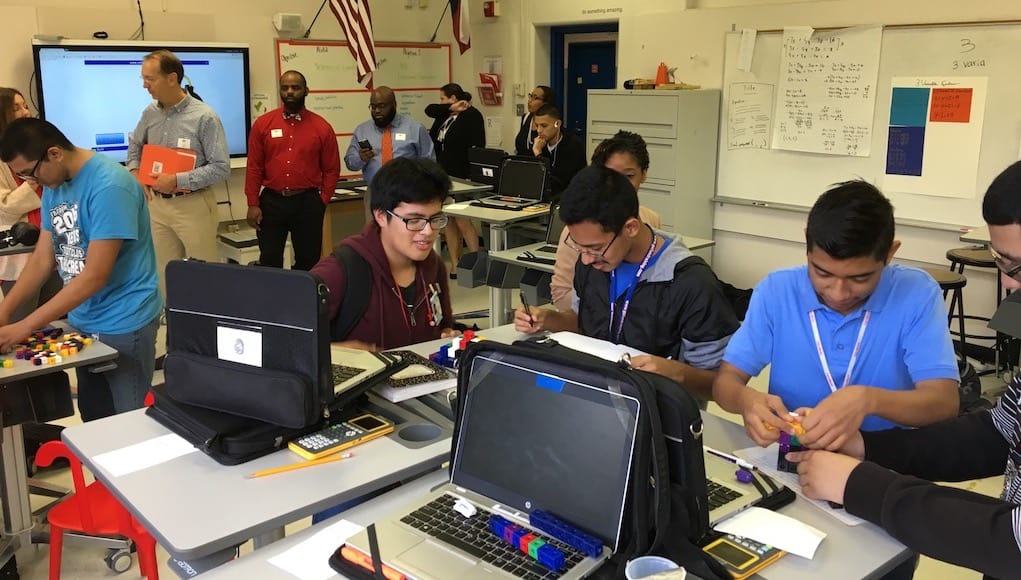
{"points": [[140, 31]]}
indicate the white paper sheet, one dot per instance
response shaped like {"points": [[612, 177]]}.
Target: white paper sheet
{"points": [[826, 97], [144, 455], [309, 560], [746, 50], [775, 529], [457, 206], [749, 116], [764, 458]]}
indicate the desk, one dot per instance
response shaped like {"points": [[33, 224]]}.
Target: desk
{"points": [[863, 551], [511, 256], [347, 201], [498, 220], [195, 507], [979, 235], [15, 250], [17, 508]]}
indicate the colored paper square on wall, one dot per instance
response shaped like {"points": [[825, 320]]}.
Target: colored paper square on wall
{"points": [[904, 151], [909, 107], [951, 106]]}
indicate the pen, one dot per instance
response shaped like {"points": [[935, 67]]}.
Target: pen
{"points": [[528, 309], [301, 465], [735, 460], [359, 559]]}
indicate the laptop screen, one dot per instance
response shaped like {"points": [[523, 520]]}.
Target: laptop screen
{"points": [[523, 178], [484, 165], [555, 228], [531, 441]]}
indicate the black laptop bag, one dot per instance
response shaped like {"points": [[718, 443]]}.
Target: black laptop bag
{"points": [[666, 512]]}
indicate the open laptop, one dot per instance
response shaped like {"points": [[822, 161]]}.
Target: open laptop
{"points": [[545, 252], [352, 367], [504, 464], [523, 182], [484, 165]]}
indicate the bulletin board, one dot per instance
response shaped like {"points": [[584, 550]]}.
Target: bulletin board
{"points": [[986, 50]]}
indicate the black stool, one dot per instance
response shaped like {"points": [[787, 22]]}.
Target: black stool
{"points": [[981, 257], [953, 283]]}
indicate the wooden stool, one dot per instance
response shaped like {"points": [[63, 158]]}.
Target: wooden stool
{"points": [[953, 283]]}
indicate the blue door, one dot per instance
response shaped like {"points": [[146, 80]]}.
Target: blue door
{"points": [[590, 65]]}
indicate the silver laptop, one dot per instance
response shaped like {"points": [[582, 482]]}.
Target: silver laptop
{"points": [[352, 366], [523, 182], [726, 495], [527, 441], [545, 252]]}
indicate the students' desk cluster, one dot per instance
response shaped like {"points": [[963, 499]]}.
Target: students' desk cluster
{"points": [[199, 510], [22, 384]]}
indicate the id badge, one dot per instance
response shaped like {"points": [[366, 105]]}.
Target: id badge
{"points": [[1010, 476], [434, 304]]}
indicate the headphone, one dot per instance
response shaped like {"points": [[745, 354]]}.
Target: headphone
{"points": [[556, 124]]}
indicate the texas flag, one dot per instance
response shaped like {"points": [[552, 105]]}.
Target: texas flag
{"points": [[462, 24]]}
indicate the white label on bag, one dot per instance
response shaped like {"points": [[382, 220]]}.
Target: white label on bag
{"points": [[239, 345]]}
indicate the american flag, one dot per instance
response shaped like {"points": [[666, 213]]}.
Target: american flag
{"points": [[462, 24], [356, 21]]}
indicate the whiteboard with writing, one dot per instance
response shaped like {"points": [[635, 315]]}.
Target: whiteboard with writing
{"points": [[794, 177], [415, 72]]}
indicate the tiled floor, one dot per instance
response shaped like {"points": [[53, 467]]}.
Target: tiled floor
{"points": [[86, 563]]}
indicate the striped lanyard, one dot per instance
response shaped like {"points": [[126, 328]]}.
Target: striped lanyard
{"points": [[854, 353], [630, 288]]}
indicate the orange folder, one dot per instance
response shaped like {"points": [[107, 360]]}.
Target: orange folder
{"points": [[159, 159]]}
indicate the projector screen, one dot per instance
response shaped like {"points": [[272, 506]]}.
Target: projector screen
{"points": [[92, 91]]}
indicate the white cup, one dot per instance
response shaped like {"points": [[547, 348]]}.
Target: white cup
{"points": [[646, 566]]}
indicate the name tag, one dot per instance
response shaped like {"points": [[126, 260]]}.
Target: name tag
{"points": [[400, 137], [276, 133], [184, 142]]}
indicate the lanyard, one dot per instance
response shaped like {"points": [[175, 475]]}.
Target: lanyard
{"points": [[408, 310], [630, 288], [854, 353]]}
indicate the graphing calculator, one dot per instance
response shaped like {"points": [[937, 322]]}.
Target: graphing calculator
{"points": [[742, 556], [341, 436]]}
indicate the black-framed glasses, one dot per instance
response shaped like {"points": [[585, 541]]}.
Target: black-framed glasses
{"points": [[597, 254], [535, 97], [1011, 270], [417, 224], [31, 176]]}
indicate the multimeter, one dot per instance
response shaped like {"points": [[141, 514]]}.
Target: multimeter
{"points": [[742, 556], [340, 436]]}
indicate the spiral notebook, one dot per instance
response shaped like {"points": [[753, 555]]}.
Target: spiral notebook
{"points": [[420, 377]]}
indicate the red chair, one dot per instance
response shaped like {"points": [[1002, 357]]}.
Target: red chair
{"points": [[92, 510]]}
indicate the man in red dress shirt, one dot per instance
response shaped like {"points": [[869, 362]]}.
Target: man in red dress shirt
{"points": [[293, 166]]}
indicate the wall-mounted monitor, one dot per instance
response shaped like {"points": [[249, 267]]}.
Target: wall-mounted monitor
{"points": [[92, 90]]}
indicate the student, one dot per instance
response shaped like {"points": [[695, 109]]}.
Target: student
{"points": [[409, 296], [954, 525], [564, 150], [626, 154], [293, 165], [860, 341], [638, 286], [457, 127], [95, 229], [540, 95]]}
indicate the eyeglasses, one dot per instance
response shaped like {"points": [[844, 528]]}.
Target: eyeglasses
{"points": [[535, 97], [30, 176], [597, 254], [1011, 270], [417, 224]]}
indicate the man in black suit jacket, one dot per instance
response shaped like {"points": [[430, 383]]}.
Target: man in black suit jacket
{"points": [[565, 151]]}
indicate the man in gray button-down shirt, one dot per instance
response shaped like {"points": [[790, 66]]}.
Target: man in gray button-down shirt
{"points": [[182, 205]]}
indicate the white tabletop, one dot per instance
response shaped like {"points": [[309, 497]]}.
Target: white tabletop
{"points": [[976, 235], [497, 217], [96, 352], [513, 255], [862, 551]]}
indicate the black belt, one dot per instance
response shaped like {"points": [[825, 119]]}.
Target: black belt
{"points": [[176, 193], [291, 192]]}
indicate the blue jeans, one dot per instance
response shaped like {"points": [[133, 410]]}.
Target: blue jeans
{"points": [[123, 388]]}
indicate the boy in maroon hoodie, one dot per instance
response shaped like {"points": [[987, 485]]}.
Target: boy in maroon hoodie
{"points": [[409, 298]]}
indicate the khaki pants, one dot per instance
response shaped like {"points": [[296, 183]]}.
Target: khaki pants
{"points": [[183, 227]]}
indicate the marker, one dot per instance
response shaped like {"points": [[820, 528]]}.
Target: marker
{"points": [[731, 458], [302, 465], [359, 559]]}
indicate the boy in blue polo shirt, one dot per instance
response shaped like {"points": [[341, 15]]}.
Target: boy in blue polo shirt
{"points": [[859, 341]]}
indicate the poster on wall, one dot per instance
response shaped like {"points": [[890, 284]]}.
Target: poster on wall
{"points": [[749, 115], [935, 135], [826, 96]]}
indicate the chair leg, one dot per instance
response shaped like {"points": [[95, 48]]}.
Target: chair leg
{"points": [[145, 549], [56, 543]]}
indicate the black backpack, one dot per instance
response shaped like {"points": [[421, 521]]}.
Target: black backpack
{"points": [[666, 512], [358, 275]]}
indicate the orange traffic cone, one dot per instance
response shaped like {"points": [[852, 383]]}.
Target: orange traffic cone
{"points": [[662, 75]]}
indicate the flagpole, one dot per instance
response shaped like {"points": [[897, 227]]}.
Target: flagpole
{"points": [[440, 21], [318, 12]]}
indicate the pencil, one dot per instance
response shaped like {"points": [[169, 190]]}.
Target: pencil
{"points": [[528, 309], [301, 465]]}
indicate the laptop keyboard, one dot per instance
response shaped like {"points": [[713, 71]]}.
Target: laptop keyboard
{"points": [[719, 495], [472, 536], [342, 373]]}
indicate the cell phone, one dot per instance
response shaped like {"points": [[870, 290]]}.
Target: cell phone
{"points": [[341, 436], [364, 144]]}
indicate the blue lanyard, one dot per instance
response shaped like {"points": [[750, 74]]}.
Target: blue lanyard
{"points": [[630, 288]]}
